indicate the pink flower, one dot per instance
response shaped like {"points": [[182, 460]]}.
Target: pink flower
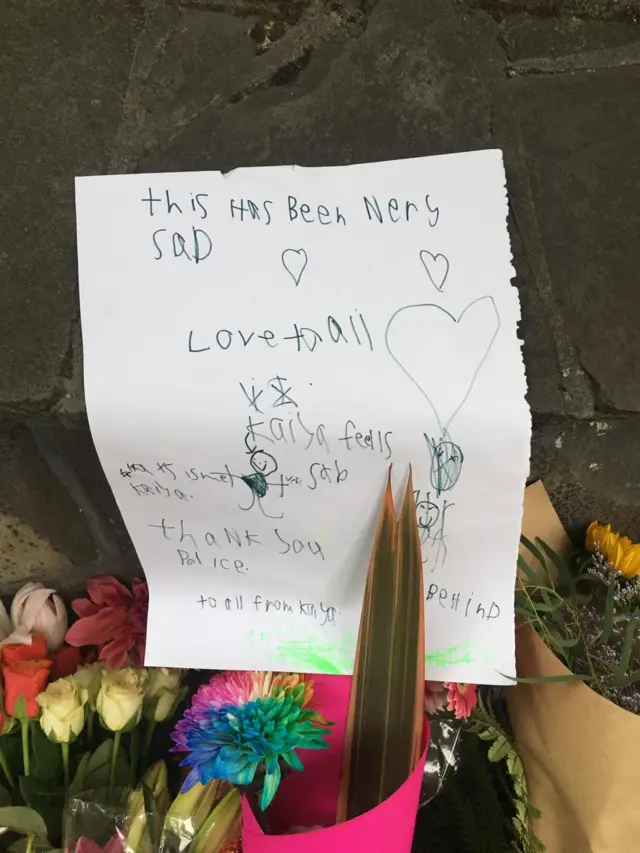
{"points": [[435, 696], [114, 619], [461, 698], [87, 845]]}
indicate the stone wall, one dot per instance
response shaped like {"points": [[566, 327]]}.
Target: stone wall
{"points": [[153, 85]]}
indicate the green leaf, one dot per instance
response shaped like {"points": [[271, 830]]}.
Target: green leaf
{"points": [[386, 708], [562, 642], [607, 621], [625, 654], [564, 572], [498, 749], [47, 755], [23, 820], [528, 544], [40, 793], [97, 769], [630, 679], [547, 679], [78, 782], [535, 577]]}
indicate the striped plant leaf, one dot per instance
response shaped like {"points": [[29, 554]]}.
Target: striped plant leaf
{"points": [[386, 711]]}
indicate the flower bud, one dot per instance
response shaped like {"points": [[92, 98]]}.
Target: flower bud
{"points": [[90, 679], [188, 812], [157, 781], [120, 698], [62, 704], [163, 693], [222, 825], [40, 610]]}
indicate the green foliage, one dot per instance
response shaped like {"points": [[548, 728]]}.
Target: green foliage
{"points": [[470, 813], [23, 820], [98, 766], [484, 723], [588, 614]]}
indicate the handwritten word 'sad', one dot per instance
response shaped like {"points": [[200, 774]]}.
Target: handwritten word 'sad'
{"points": [[190, 240], [304, 332]]}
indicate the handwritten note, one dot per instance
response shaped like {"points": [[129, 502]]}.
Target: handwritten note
{"points": [[259, 347]]}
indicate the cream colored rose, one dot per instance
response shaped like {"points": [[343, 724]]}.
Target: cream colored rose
{"points": [[90, 679], [162, 693], [63, 714], [121, 696]]}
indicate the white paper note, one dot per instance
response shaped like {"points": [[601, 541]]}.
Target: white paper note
{"points": [[259, 347]]}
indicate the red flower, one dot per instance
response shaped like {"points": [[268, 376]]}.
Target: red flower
{"points": [[25, 678], [15, 652], [65, 662], [114, 619]]}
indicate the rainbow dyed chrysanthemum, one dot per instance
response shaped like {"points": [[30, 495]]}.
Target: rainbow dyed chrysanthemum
{"points": [[243, 722]]}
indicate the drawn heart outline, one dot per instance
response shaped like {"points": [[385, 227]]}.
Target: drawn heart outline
{"points": [[444, 427], [295, 262], [433, 266]]}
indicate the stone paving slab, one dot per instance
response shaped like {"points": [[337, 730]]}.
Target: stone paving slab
{"points": [[63, 71]]}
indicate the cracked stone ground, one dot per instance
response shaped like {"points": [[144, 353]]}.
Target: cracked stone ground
{"points": [[153, 85]]}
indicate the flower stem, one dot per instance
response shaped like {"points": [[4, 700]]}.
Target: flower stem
{"points": [[4, 764], [65, 764], [134, 756], [30, 839], [114, 762], [24, 725], [146, 744]]}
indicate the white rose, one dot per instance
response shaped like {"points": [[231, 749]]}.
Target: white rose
{"points": [[162, 693], [90, 679], [120, 697], [62, 704]]}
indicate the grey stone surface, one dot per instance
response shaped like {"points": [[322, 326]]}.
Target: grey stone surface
{"points": [[592, 470], [584, 169], [598, 10], [63, 72], [525, 37], [29, 490], [146, 85]]}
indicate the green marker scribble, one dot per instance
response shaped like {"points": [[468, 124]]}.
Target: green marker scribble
{"points": [[308, 655], [451, 656]]}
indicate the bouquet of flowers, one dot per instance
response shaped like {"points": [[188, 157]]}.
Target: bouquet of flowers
{"points": [[576, 709], [99, 753]]}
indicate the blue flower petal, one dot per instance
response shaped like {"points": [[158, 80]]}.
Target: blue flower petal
{"points": [[271, 782], [244, 776]]}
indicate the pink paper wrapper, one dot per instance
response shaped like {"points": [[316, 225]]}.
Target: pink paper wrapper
{"points": [[311, 798]]}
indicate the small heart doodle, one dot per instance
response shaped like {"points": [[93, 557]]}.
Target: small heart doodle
{"points": [[295, 262], [437, 267]]}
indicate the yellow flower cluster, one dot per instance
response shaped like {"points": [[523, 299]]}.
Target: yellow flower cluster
{"points": [[618, 550]]}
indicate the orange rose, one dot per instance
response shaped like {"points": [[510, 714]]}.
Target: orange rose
{"points": [[14, 652], [25, 678]]}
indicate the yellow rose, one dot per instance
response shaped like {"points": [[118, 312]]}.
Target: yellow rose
{"points": [[163, 692], [62, 704], [90, 678], [120, 697]]}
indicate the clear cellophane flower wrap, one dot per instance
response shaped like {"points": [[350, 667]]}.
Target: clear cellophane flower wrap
{"points": [[117, 822], [302, 817], [581, 752]]}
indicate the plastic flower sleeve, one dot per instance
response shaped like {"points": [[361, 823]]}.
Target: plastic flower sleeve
{"points": [[123, 825], [442, 757]]}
